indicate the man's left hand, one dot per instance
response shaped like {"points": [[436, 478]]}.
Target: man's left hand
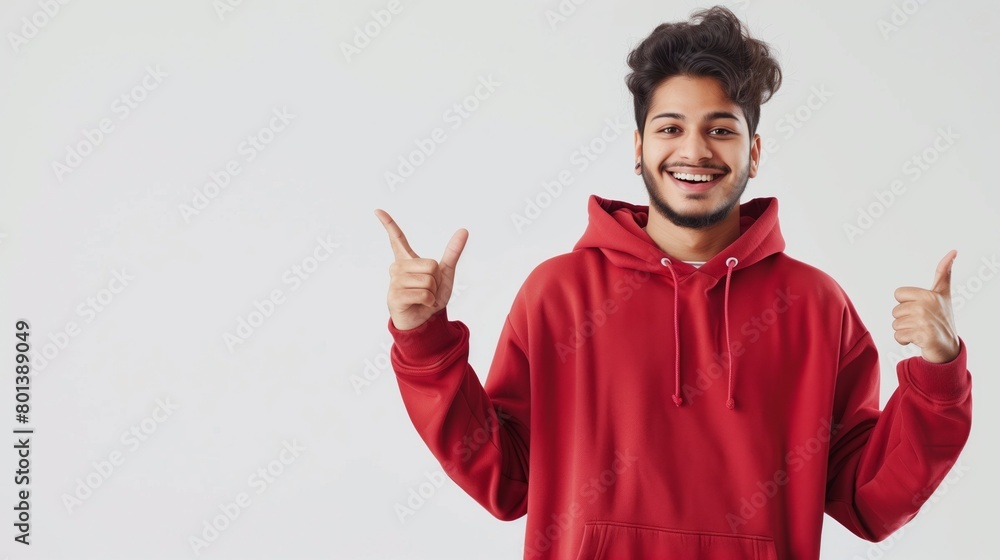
{"points": [[925, 317]]}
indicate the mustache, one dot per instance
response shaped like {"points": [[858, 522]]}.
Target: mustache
{"points": [[724, 169]]}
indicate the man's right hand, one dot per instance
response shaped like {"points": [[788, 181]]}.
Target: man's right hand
{"points": [[418, 288]]}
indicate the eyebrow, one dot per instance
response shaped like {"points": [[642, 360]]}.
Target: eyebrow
{"points": [[709, 117]]}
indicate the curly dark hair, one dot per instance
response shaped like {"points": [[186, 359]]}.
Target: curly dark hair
{"points": [[715, 43]]}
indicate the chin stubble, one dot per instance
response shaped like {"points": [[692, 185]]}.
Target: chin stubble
{"points": [[696, 221]]}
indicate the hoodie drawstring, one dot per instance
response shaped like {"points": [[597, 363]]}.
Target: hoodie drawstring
{"points": [[730, 402], [731, 263], [677, 335]]}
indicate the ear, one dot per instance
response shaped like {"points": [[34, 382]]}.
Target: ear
{"points": [[638, 150], [754, 155]]}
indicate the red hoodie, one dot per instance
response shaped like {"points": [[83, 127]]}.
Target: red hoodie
{"points": [[665, 411]]}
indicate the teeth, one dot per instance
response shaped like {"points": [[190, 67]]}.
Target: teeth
{"points": [[690, 177]]}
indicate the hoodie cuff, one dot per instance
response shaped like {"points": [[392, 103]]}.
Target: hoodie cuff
{"points": [[945, 382], [428, 343]]}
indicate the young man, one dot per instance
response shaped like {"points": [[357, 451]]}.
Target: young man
{"points": [[676, 386]]}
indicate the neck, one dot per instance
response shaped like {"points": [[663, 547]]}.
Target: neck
{"points": [[689, 244]]}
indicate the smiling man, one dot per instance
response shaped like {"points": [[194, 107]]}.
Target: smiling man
{"points": [[676, 386]]}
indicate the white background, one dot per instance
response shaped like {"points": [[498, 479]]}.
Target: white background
{"points": [[303, 374]]}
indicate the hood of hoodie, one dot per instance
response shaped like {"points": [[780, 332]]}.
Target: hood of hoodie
{"points": [[615, 228]]}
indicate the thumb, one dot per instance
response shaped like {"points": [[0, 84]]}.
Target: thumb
{"points": [[454, 250], [942, 276]]}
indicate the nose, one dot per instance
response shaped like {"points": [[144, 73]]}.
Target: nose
{"points": [[694, 148]]}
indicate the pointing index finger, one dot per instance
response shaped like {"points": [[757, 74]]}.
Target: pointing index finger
{"points": [[400, 248]]}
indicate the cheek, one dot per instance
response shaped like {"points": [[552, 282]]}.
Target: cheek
{"points": [[655, 161]]}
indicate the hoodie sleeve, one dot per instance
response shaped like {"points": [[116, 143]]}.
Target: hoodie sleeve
{"points": [[478, 434], [884, 465]]}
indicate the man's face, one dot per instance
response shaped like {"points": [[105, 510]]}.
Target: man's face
{"points": [[693, 128]]}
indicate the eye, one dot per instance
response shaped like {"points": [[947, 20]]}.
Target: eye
{"points": [[723, 131]]}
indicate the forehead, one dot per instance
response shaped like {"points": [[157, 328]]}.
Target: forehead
{"points": [[692, 96]]}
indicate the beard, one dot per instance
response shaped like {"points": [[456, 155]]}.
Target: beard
{"points": [[695, 221]]}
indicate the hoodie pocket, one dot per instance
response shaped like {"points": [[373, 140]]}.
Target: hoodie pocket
{"points": [[607, 540]]}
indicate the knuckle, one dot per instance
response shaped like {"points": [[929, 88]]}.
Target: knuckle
{"points": [[423, 264], [409, 267]]}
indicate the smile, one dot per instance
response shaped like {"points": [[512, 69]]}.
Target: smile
{"points": [[694, 182]]}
